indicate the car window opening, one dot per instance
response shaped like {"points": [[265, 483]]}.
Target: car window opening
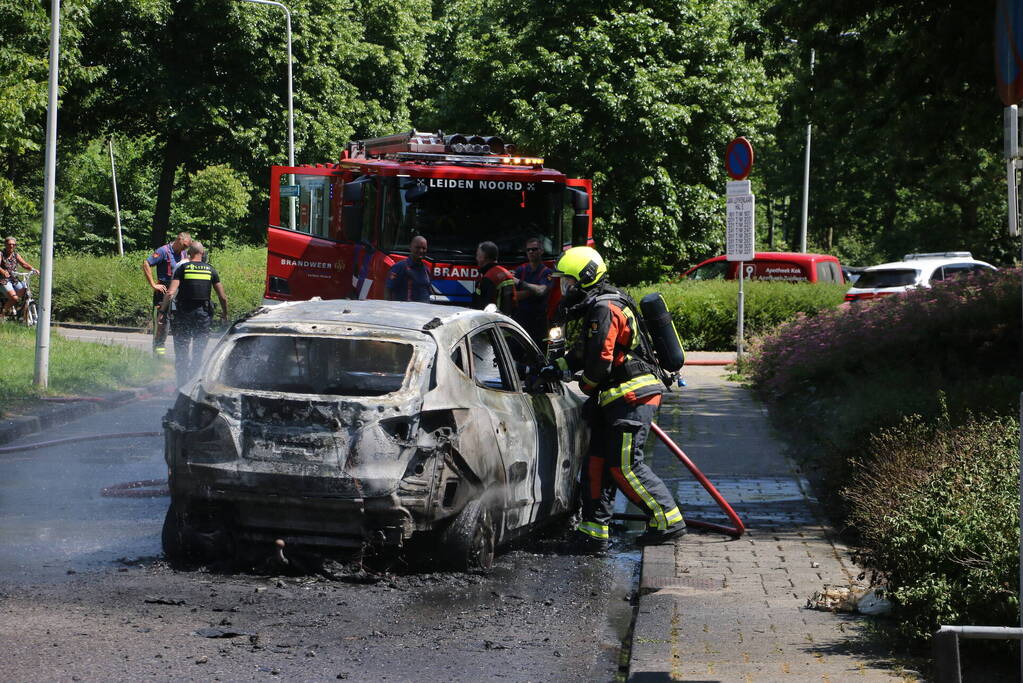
{"points": [[888, 277], [317, 365], [487, 367]]}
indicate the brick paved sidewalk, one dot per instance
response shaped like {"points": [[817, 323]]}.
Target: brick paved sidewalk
{"points": [[716, 609]]}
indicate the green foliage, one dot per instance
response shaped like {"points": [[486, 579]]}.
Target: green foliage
{"points": [[937, 507], [75, 367], [110, 290], [906, 152], [706, 312], [639, 96], [24, 71], [212, 205], [934, 498]]}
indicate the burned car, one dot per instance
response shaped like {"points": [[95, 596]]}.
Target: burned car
{"points": [[351, 424]]}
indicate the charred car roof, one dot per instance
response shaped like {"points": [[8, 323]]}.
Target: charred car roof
{"points": [[398, 315]]}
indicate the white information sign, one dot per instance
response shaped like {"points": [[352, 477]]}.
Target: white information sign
{"points": [[739, 231]]}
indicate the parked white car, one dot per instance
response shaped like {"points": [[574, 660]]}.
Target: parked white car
{"points": [[915, 270]]}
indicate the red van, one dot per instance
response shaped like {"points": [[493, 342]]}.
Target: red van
{"points": [[771, 265]]}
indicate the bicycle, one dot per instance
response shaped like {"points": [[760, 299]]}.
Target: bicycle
{"points": [[27, 311]]}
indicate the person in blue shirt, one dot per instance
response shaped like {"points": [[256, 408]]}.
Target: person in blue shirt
{"points": [[409, 280], [165, 261], [532, 292]]}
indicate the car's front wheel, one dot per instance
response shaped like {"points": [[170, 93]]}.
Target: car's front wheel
{"points": [[471, 540]]}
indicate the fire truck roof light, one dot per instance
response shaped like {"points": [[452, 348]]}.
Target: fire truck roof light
{"points": [[469, 159]]}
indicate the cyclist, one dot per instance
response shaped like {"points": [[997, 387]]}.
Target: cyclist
{"points": [[14, 288], [166, 259]]}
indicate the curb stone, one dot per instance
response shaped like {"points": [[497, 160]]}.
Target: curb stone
{"points": [[47, 416]]}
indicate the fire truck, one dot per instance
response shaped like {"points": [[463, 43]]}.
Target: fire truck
{"points": [[336, 229]]}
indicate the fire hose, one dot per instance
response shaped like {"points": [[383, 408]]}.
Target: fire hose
{"points": [[735, 531]]}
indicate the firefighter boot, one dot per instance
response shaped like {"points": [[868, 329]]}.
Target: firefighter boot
{"points": [[658, 537], [584, 544]]}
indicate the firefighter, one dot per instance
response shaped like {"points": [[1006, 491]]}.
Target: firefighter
{"points": [[532, 292], [193, 282], [409, 280], [495, 284], [624, 390]]}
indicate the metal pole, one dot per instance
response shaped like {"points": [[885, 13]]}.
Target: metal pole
{"points": [[291, 108], [117, 206], [806, 170], [42, 369], [742, 306]]}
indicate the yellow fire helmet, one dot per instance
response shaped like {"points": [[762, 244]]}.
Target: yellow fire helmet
{"points": [[584, 264]]}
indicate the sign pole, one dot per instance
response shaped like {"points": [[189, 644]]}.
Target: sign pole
{"points": [[742, 310], [740, 218], [117, 207], [1008, 40]]}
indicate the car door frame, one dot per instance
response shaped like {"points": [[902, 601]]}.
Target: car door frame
{"points": [[512, 418]]}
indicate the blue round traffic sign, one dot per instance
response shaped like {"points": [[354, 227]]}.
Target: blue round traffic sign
{"points": [[1009, 50], [739, 158]]}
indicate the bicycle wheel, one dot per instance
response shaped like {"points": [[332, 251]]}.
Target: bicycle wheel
{"points": [[31, 314]]}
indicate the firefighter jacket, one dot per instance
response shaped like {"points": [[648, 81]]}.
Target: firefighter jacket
{"points": [[610, 351], [495, 285]]}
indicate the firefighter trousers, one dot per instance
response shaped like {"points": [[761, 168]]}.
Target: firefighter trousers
{"points": [[618, 434]]}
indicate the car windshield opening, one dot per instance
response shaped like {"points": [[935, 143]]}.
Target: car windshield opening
{"points": [[339, 366], [455, 215], [889, 277]]}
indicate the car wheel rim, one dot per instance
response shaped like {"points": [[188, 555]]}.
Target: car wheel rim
{"points": [[483, 541]]}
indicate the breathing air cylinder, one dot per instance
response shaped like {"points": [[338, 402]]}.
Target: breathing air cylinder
{"points": [[662, 331]]}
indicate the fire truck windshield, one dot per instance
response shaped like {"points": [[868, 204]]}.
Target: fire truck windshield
{"points": [[455, 215]]}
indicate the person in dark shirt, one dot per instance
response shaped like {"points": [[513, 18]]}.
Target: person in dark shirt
{"points": [[409, 280], [532, 292], [194, 281], [495, 284]]}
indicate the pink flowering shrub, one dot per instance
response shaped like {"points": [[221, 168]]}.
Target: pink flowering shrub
{"points": [[955, 329]]}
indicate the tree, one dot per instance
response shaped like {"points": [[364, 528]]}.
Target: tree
{"points": [[212, 207], [207, 79], [906, 153], [24, 75], [642, 97]]}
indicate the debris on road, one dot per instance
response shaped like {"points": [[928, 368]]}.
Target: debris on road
{"points": [[212, 632]]}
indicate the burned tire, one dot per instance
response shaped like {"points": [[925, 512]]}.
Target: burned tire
{"points": [[174, 537], [471, 540]]}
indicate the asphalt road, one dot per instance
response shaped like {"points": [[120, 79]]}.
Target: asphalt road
{"points": [[85, 594]]}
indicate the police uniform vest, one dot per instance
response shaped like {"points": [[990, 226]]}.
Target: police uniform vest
{"points": [[197, 280]]}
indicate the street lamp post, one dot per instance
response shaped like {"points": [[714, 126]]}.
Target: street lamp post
{"points": [[291, 108], [806, 170], [42, 365]]}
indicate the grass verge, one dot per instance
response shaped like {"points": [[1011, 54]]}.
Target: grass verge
{"points": [[76, 368]]}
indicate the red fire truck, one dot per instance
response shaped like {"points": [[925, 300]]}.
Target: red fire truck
{"points": [[336, 229]]}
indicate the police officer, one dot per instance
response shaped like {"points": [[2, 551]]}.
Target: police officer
{"points": [[624, 393], [192, 284]]}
